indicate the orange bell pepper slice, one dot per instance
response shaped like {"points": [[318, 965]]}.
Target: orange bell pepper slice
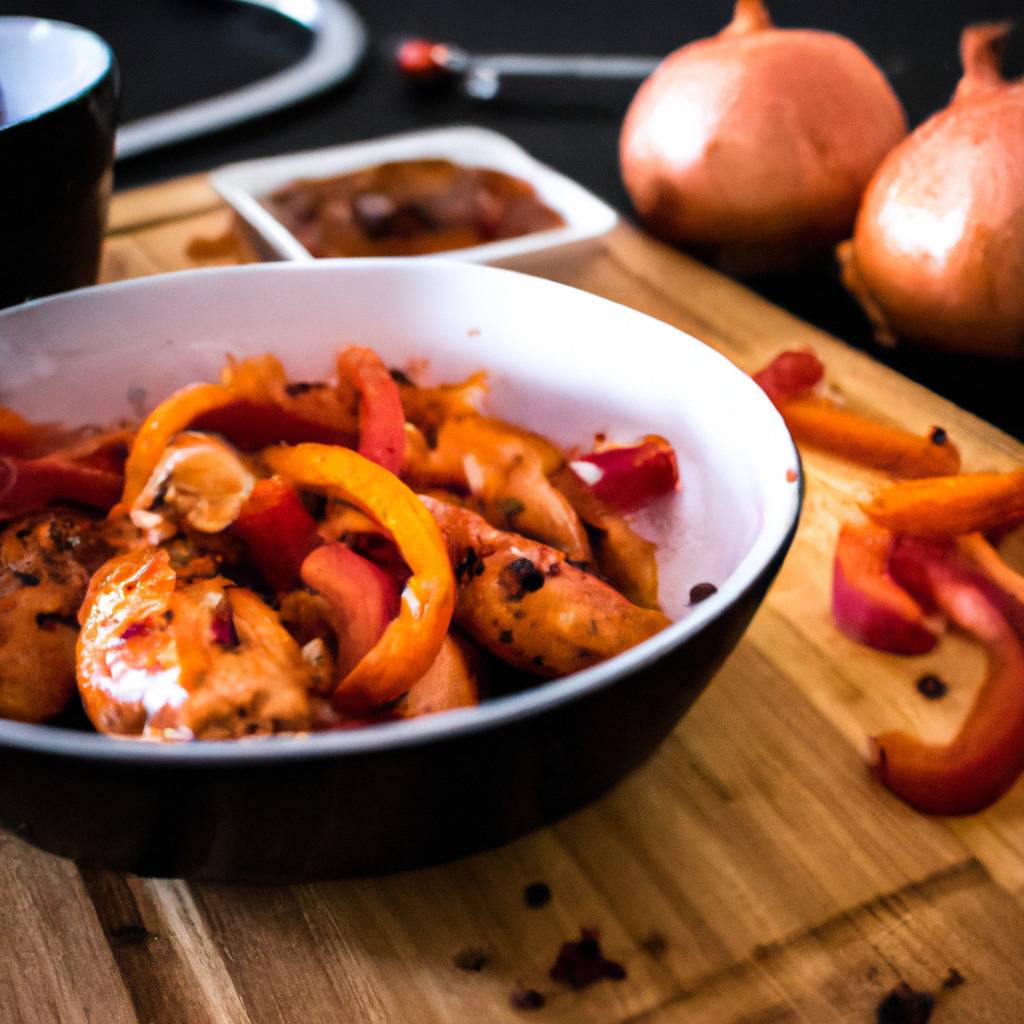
{"points": [[172, 415], [381, 419], [411, 641], [974, 769], [821, 423], [249, 423], [947, 506]]}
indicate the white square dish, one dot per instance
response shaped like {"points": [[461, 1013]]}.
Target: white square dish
{"points": [[243, 185]]}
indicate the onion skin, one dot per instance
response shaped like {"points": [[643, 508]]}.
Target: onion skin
{"points": [[753, 147], [937, 256]]}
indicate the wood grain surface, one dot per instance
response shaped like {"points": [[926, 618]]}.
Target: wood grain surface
{"points": [[750, 872]]}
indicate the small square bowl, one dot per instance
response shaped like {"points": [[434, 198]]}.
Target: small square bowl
{"points": [[243, 185]]}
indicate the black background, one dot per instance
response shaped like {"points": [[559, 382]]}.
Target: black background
{"points": [[173, 51]]}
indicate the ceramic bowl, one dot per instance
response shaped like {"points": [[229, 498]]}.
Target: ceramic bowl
{"points": [[561, 361], [58, 106]]}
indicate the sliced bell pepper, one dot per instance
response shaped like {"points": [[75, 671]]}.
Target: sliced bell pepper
{"points": [[30, 484], [985, 559], [630, 477], [20, 437], [790, 374], [174, 414], [987, 755], [411, 641], [381, 419], [867, 603], [278, 532], [823, 424], [361, 599], [950, 505], [249, 423], [252, 424]]}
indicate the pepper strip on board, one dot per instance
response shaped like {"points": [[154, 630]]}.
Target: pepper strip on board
{"points": [[867, 603], [987, 755], [948, 506], [789, 379]]}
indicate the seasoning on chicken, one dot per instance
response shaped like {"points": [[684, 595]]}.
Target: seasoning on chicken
{"points": [[203, 660], [527, 604], [505, 469], [45, 562]]}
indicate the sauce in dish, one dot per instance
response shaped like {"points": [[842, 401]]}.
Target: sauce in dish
{"points": [[409, 208]]}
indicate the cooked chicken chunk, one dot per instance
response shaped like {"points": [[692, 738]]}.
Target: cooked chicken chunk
{"points": [[527, 604], [42, 583]]}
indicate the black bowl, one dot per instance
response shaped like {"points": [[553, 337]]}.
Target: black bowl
{"points": [[408, 793], [58, 107]]}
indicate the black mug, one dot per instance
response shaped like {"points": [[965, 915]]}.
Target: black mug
{"points": [[59, 87]]}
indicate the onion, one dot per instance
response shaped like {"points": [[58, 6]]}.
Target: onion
{"points": [[753, 147], [938, 251]]}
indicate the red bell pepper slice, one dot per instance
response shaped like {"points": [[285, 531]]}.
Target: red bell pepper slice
{"points": [[381, 419], [987, 755], [362, 599], [630, 477], [278, 531], [867, 603], [29, 484], [252, 424], [789, 374]]}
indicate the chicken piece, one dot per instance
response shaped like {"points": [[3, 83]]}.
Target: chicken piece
{"points": [[42, 583], [334, 405], [527, 604], [167, 659], [452, 681], [505, 469], [624, 558], [429, 407], [200, 481], [46, 559]]}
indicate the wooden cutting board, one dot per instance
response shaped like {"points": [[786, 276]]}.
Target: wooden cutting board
{"points": [[751, 871]]}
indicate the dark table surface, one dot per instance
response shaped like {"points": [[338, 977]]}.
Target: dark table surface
{"points": [[173, 51]]}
